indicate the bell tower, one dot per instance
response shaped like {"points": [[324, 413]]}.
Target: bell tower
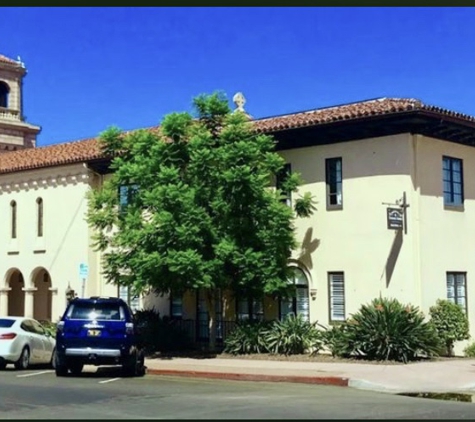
{"points": [[15, 133]]}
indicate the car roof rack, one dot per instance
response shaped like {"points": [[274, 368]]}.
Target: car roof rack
{"points": [[104, 297]]}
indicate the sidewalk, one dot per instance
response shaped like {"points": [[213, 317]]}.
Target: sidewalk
{"points": [[442, 376]]}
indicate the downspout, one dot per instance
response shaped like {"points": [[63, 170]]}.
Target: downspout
{"points": [[415, 213], [97, 256]]}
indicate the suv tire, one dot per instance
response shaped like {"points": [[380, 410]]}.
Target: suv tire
{"points": [[134, 366], [61, 371], [76, 368], [60, 368]]}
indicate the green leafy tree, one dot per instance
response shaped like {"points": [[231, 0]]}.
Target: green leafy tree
{"points": [[199, 211], [451, 323]]}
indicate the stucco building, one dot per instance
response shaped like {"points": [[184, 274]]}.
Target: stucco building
{"points": [[395, 213]]}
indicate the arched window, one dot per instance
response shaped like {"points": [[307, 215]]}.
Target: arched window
{"points": [[298, 304], [39, 217], [13, 213], [4, 91]]}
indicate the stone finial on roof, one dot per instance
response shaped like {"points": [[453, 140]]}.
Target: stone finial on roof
{"points": [[239, 100], [18, 60]]}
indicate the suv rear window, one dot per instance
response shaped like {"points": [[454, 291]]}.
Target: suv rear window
{"points": [[96, 311], [6, 323]]}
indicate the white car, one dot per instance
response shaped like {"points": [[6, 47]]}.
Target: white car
{"points": [[24, 341]]}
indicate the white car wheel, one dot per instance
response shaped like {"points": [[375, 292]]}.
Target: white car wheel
{"points": [[24, 361]]}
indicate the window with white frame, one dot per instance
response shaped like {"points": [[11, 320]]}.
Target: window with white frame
{"points": [[334, 182], [336, 296], [298, 303], [457, 288], [126, 196], [133, 300], [280, 183]]}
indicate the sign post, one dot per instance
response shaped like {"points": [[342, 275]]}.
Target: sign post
{"points": [[83, 273]]}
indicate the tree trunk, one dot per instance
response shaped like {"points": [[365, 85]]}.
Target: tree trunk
{"points": [[211, 308]]}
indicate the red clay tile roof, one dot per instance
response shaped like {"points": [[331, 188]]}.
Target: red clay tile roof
{"points": [[88, 149], [351, 111], [4, 59], [51, 155]]}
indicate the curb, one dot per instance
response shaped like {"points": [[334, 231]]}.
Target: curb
{"points": [[335, 381], [362, 384]]}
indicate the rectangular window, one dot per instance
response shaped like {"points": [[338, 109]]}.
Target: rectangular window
{"points": [[452, 176], [457, 288], [39, 204], [176, 307], [334, 180], [336, 296], [203, 315], [126, 194], [126, 294], [250, 309], [280, 179], [13, 211]]}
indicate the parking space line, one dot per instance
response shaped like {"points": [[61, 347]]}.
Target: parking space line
{"points": [[106, 381], [32, 374]]}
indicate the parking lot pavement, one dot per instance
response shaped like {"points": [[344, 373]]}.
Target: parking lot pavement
{"points": [[98, 393], [102, 375]]}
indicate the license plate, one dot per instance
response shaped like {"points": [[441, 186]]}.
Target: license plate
{"points": [[93, 333]]}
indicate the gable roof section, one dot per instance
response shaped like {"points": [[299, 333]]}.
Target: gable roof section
{"points": [[88, 149]]}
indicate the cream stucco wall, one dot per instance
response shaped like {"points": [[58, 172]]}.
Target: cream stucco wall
{"points": [[447, 236], [66, 238], [376, 261], [355, 239]]}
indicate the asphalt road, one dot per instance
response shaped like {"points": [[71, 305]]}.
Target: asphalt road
{"points": [[102, 394]]}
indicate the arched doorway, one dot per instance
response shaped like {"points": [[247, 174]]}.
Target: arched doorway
{"points": [[299, 302], [42, 297], [4, 91], [16, 296]]}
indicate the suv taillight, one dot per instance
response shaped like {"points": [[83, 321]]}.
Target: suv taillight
{"points": [[129, 328], [60, 326]]}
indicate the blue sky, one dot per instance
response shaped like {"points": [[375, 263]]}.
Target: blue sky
{"points": [[90, 68]]}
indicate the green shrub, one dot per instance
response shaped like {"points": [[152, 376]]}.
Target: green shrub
{"points": [[385, 329], [338, 340], [161, 334], [469, 351], [293, 336], [451, 323], [246, 338]]}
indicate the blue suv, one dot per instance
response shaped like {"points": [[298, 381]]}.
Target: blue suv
{"points": [[98, 331]]}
